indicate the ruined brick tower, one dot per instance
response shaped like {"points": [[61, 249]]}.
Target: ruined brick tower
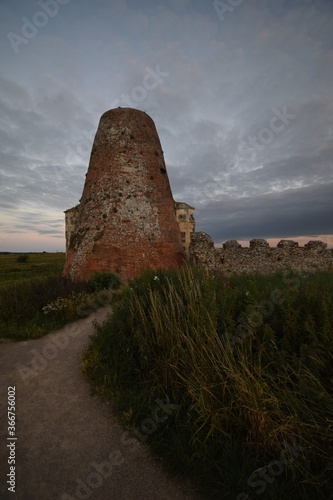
{"points": [[126, 217]]}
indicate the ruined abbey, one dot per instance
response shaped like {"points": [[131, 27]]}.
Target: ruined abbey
{"points": [[127, 219]]}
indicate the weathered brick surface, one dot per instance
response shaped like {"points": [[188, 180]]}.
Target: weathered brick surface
{"points": [[259, 256], [126, 219]]}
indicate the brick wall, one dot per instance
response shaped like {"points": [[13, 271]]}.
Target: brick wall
{"points": [[259, 257], [126, 219]]}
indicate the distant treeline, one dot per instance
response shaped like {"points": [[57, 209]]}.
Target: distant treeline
{"points": [[30, 253]]}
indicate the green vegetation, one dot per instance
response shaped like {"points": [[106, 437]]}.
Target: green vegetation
{"points": [[31, 308], [247, 369], [103, 280], [22, 258], [24, 267]]}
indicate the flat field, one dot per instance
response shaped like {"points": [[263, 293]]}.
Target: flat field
{"points": [[14, 269]]}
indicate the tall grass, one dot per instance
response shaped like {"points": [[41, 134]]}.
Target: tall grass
{"points": [[33, 308], [248, 361]]}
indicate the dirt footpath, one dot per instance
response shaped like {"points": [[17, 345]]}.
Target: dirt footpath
{"points": [[68, 445]]}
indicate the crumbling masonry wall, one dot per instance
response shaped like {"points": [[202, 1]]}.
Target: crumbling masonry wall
{"points": [[184, 217], [259, 257]]}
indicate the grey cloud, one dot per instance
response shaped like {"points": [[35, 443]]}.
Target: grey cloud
{"points": [[224, 81], [305, 212], [13, 94], [52, 232], [36, 150]]}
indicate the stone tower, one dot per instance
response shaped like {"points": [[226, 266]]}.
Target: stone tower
{"points": [[126, 218]]}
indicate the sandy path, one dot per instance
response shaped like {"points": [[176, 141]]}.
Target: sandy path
{"points": [[68, 444]]}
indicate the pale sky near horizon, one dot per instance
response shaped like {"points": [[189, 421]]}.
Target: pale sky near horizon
{"points": [[241, 93]]}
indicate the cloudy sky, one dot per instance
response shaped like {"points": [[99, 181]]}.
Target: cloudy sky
{"points": [[241, 92]]}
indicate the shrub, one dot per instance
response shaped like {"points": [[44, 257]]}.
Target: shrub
{"points": [[32, 308], [105, 280], [21, 305], [22, 259], [79, 304]]}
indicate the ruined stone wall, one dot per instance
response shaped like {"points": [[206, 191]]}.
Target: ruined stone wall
{"points": [[259, 257], [126, 218]]}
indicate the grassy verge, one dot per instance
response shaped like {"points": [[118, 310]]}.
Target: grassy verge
{"points": [[24, 267], [230, 381], [35, 307]]}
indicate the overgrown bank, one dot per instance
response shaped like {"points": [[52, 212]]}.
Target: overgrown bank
{"points": [[35, 307], [229, 381]]}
